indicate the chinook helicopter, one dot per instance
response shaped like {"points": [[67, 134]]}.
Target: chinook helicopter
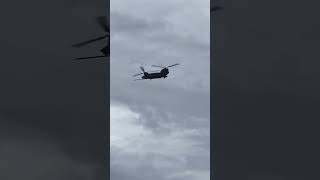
{"points": [[154, 74], [102, 21]]}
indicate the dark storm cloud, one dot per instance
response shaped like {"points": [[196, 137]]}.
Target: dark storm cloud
{"points": [[266, 99], [49, 99]]}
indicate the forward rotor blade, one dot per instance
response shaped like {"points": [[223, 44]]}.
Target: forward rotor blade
{"points": [[90, 57], [89, 41], [137, 74], [142, 69], [138, 79], [102, 21], [173, 65]]}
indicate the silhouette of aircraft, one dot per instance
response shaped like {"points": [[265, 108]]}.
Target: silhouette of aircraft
{"points": [[154, 74], [102, 21], [216, 8]]}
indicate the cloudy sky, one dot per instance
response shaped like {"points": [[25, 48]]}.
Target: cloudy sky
{"points": [[160, 128]]}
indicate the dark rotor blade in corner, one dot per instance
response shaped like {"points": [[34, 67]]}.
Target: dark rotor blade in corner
{"points": [[90, 57], [89, 41], [102, 21], [215, 8]]}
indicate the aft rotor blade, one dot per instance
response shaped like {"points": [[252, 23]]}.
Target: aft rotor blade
{"points": [[137, 74], [102, 21], [90, 57], [158, 66], [173, 65], [89, 41], [151, 71]]}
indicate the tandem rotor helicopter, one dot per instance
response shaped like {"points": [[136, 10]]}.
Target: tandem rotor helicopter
{"points": [[102, 21], [154, 74]]}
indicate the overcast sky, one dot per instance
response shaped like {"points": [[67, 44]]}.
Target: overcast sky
{"points": [[160, 128]]}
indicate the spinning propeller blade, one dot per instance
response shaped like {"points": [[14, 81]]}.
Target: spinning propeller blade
{"points": [[152, 71], [90, 57], [165, 66], [137, 74], [215, 8], [89, 41], [142, 69], [158, 66], [173, 65], [143, 73]]}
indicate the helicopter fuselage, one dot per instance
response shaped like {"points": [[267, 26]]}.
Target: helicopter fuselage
{"points": [[162, 74]]}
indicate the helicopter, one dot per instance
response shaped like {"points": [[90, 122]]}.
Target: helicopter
{"points": [[102, 21], [155, 74]]}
